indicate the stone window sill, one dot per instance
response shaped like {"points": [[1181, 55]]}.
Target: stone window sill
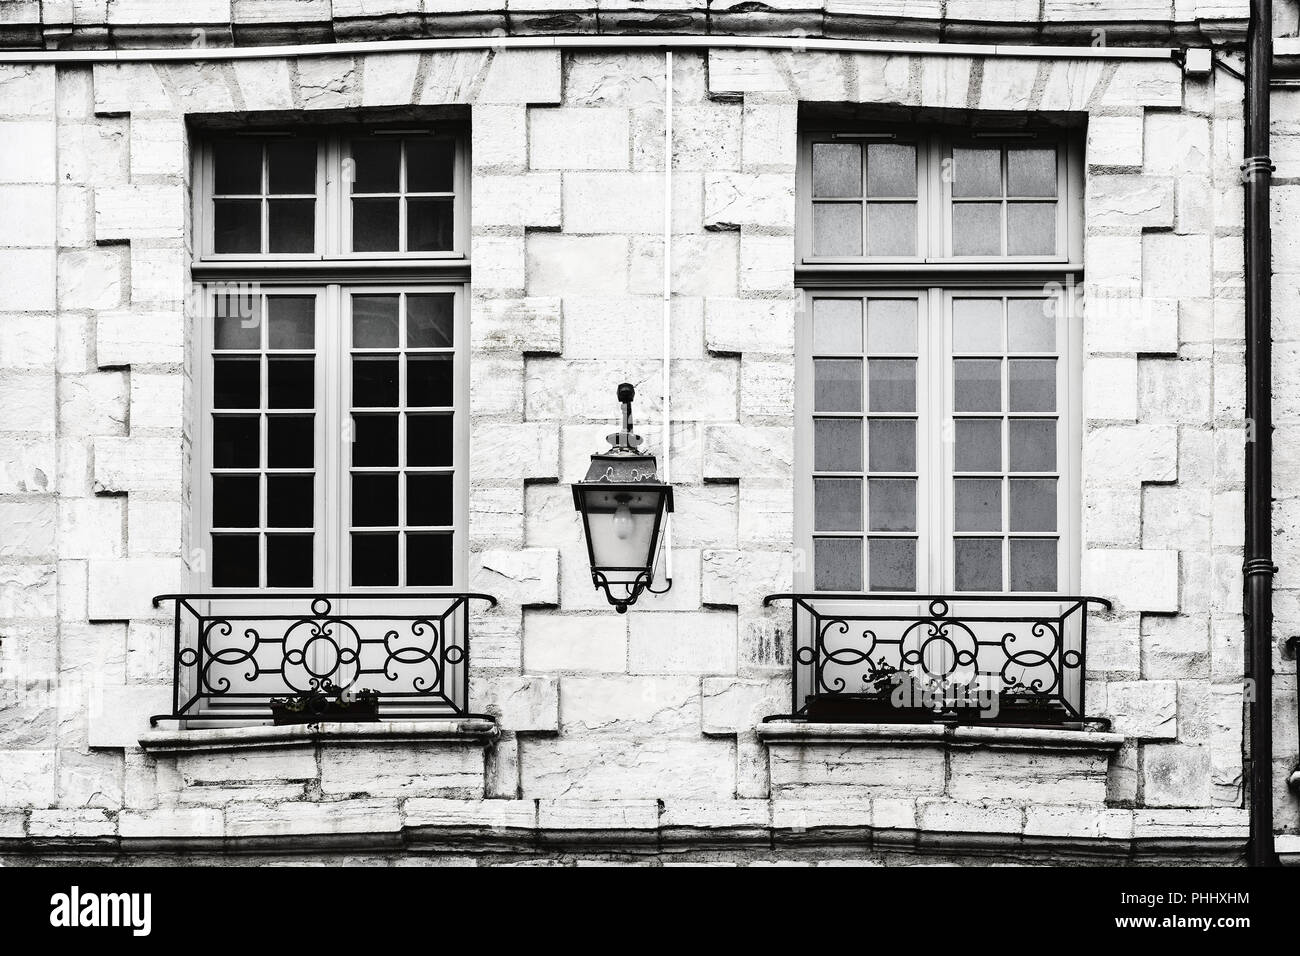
{"points": [[467, 732], [1019, 738]]}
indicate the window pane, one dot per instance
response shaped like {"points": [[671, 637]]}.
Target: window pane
{"points": [[374, 439], [237, 226], [891, 385], [891, 326], [892, 444], [290, 501], [891, 504], [1031, 325], [976, 325], [1033, 444], [429, 381], [374, 559], [977, 564], [289, 560], [836, 169], [374, 225], [1032, 386], [429, 225], [837, 504], [374, 501], [238, 167], [430, 164], [1031, 172], [292, 321], [891, 229], [430, 321], [893, 564], [837, 385], [236, 501], [375, 164], [374, 321], [236, 441], [837, 444], [976, 172], [891, 169], [837, 229], [291, 167], [837, 325], [978, 444], [374, 382], [977, 229], [977, 385], [429, 500], [236, 383], [236, 322], [1033, 504], [1031, 229], [291, 383], [291, 225], [290, 441], [837, 564], [428, 440], [428, 560], [1033, 564], [234, 561], [978, 504]]}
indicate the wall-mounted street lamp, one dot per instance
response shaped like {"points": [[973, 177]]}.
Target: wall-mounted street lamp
{"points": [[622, 502]]}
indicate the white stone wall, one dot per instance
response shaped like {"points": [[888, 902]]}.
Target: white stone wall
{"points": [[602, 715]]}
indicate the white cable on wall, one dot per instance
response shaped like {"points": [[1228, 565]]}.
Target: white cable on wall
{"points": [[667, 471]]}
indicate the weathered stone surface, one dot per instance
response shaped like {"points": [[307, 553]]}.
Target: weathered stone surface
{"points": [[574, 642], [621, 768], [822, 770], [399, 770], [255, 819], [1028, 776], [520, 703]]}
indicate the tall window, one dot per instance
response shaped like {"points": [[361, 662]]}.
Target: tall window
{"points": [[330, 365], [938, 395]]}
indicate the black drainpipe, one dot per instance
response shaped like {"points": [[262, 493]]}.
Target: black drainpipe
{"points": [[1258, 567]]}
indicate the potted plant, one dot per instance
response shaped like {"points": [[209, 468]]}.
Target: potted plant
{"points": [[1021, 703], [326, 702], [889, 695]]}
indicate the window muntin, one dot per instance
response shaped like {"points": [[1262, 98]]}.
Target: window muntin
{"points": [[264, 195], [402, 193]]}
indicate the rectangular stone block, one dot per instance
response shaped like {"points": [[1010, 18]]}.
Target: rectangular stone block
{"points": [[29, 778], [640, 706], [256, 819], [626, 767], [818, 770], [1028, 776], [530, 325], [522, 76], [574, 642], [405, 769], [139, 212], [137, 464], [171, 823], [702, 643], [527, 199], [590, 265], [1134, 580], [515, 452], [520, 702], [121, 589], [578, 138]]}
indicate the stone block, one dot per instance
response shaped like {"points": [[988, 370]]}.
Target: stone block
{"points": [[620, 768], [137, 464], [515, 452], [121, 589], [522, 76], [701, 643], [1146, 710], [574, 642], [527, 577], [530, 326], [1133, 580], [139, 212], [638, 706], [29, 777], [256, 819], [578, 138], [592, 265], [521, 703], [405, 769], [828, 771], [520, 199]]}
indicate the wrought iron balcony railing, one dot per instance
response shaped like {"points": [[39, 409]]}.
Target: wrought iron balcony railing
{"points": [[1005, 659], [236, 653]]}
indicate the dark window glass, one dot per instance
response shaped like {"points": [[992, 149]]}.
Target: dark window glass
{"points": [[430, 321], [236, 383], [374, 382], [428, 560], [429, 500], [289, 561], [235, 501], [374, 559], [293, 321], [234, 560], [428, 440], [291, 383], [374, 501], [374, 225], [429, 381], [236, 322], [237, 225], [290, 441], [375, 165], [430, 165], [291, 167], [429, 225], [374, 321], [290, 501], [236, 441], [291, 225], [238, 167], [374, 440]]}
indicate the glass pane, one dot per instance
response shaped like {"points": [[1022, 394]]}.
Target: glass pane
{"points": [[977, 564], [893, 564], [891, 385], [374, 321], [1033, 504], [236, 323], [291, 383], [430, 165], [1032, 386], [236, 501], [236, 383], [292, 321], [290, 501], [238, 167], [374, 225], [837, 504], [430, 321], [978, 444], [977, 385], [837, 385], [374, 382], [430, 500], [428, 440], [891, 169], [291, 167], [976, 325], [374, 440], [237, 225], [891, 229], [291, 225], [289, 560], [1033, 444], [891, 504], [375, 165], [837, 229], [837, 564], [891, 444], [374, 501], [1031, 229], [428, 560], [976, 229], [836, 170], [374, 559], [1031, 172], [978, 504], [236, 441], [837, 444], [234, 561], [976, 172], [290, 441], [429, 225], [429, 381], [837, 325], [1033, 564], [1031, 325], [891, 326]]}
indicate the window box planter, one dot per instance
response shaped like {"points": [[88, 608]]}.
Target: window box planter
{"points": [[317, 706]]}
